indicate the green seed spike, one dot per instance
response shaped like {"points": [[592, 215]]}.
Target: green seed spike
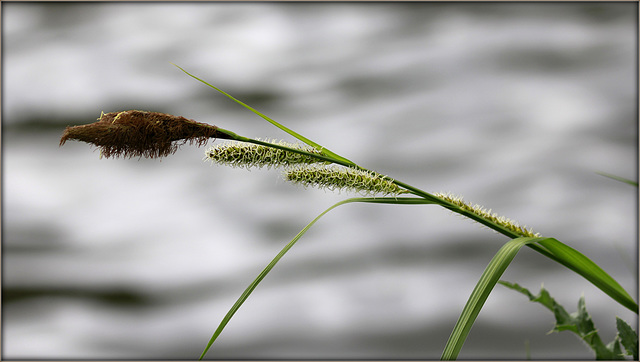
{"points": [[240, 154], [339, 178], [487, 215]]}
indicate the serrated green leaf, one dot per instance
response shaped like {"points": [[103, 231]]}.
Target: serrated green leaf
{"points": [[580, 323], [615, 348], [517, 287], [561, 315], [628, 338], [545, 299]]}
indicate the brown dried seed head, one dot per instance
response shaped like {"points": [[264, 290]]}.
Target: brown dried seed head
{"points": [[141, 134]]}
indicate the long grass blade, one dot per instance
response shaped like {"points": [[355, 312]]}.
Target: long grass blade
{"points": [[247, 292], [562, 253], [582, 265], [300, 137], [618, 178], [480, 293]]}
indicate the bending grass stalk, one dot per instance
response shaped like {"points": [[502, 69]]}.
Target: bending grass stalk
{"points": [[549, 247], [335, 158], [608, 284], [572, 260], [152, 134], [247, 292]]}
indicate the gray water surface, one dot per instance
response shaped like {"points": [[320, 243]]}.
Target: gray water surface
{"points": [[513, 106]]}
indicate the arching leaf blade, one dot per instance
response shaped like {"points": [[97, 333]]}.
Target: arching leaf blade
{"points": [[584, 266], [480, 293], [300, 137], [247, 292]]}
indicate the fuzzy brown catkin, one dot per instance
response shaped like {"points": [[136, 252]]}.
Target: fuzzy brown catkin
{"points": [[141, 134]]}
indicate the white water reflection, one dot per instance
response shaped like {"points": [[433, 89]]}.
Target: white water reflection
{"points": [[513, 106]]}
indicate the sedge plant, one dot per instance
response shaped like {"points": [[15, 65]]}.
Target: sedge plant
{"points": [[153, 135]]}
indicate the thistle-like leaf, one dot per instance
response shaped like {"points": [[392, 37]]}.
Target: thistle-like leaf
{"points": [[628, 338], [580, 323]]}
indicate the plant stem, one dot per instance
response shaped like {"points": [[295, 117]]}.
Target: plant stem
{"points": [[413, 190]]}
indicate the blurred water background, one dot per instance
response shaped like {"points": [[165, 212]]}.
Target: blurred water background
{"points": [[515, 106]]}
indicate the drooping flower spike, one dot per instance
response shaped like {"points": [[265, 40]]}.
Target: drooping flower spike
{"points": [[487, 215], [343, 178], [247, 155], [142, 134]]}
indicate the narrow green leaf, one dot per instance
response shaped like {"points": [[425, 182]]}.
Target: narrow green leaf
{"points": [[247, 292], [568, 257], [480, 293], [618, 178], [285, 129], [582, 265]]}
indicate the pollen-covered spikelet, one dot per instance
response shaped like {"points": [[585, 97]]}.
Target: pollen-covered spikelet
{"points": [[247, 155], [487, 214], [339, 178]]}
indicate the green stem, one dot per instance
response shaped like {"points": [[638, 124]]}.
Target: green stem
{"points": [[414, 190], [324, 150], [542, 249], [483, 221]]}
